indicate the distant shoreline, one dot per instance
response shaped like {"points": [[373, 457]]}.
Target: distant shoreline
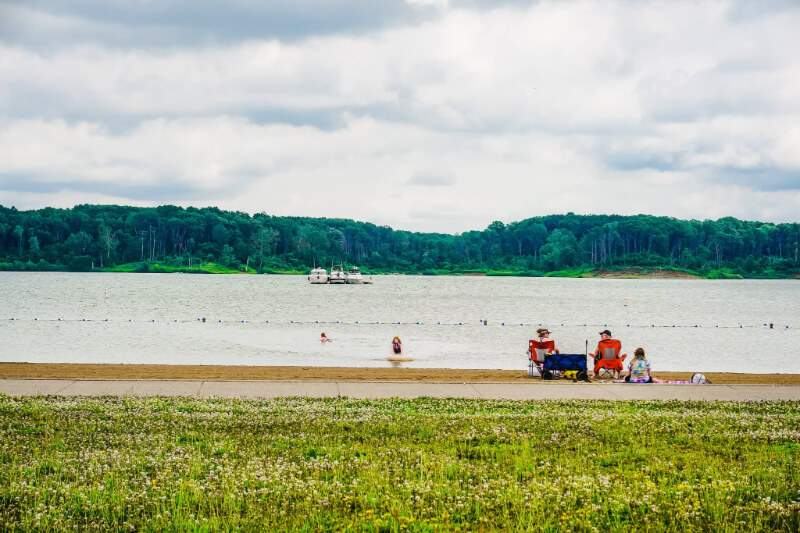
{"points": [[311, 373], [620, 273]]}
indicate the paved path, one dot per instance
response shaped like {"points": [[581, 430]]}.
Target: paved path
{"points": [[373, 390]]}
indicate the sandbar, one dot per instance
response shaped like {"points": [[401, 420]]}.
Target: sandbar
{"points": [[313, 373]]}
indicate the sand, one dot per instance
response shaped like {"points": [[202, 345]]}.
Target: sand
{"points": [[310, 373]]}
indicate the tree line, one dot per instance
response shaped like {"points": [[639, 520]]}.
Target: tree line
{"points": [[102, 237]]}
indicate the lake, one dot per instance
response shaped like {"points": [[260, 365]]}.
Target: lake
{"points": [[684, 325]]}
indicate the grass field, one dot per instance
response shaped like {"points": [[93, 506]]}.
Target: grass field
{"points": [[186, 464]]}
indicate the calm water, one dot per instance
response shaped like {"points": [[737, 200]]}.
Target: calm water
{"points": [[152, 318]]}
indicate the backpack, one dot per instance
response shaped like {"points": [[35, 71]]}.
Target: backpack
{"points": [[699, 379]]}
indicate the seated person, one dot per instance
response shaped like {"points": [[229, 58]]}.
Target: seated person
{"points": [[639, 368], [537, 348], [607, 355], [544, 339]]}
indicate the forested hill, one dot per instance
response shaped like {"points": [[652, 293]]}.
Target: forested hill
{"points": [[167, 238]]}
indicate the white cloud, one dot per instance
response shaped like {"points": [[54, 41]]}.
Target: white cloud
{"points": [[509, 112]]}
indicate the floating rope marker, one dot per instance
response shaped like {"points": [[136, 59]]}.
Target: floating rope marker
{"points": [[38, 319], [242, 321], [173, 320], [438, 323], [459, 323], [291, 322], [219, 321], [153, 320], [316, 322], [502, 323], [107, 320], [398, 321], [522, 324], [740, 326], [417, 322], [84, 320], [59, 319]]}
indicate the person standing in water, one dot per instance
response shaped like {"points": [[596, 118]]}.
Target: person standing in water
{"points": [[324, 338], [397, 346]]}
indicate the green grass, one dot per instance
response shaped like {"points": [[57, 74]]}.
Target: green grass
{"points": [[164, 268], [184, 464]]}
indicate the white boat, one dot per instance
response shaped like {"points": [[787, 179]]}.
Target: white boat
{"points": [[337, 275], [354, 276], [318, 276]]}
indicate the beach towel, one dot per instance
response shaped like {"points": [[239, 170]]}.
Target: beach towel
{"points": [[657, 381]]}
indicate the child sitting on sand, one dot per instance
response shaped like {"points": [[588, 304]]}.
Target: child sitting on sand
{"points": [[639, 368]]}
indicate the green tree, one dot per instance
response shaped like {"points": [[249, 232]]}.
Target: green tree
{"points": [[77, 243], [33, 247], [561, 250]]}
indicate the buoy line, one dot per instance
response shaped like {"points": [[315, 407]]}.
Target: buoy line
{"points": [[481, 322]]}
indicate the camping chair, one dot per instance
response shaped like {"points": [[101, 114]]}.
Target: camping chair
{"points": [[608, 362], [537, 352]]}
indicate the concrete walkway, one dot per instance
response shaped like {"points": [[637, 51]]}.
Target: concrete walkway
{"points": [[405, 389]]}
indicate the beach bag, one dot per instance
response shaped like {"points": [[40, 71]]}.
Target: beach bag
{"points": [[699, 379]]}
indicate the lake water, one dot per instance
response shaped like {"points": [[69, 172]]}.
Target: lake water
{"points": [[277, 320]]}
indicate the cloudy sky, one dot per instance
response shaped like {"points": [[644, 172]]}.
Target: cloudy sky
{"points": [[426, 115]]}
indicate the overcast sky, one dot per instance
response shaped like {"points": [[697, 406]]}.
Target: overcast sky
{"points": [[426, 115]]}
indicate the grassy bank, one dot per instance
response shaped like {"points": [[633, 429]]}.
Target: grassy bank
{"points": [[582, 272], [396, 465]]}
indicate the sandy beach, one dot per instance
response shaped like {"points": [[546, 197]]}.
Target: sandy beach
{"points": [[309, 373]]}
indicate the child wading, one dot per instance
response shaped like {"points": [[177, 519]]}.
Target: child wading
{"points": [[397, 345]]}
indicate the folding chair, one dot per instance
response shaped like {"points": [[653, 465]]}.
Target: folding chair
{"points": [[537, 351], [608, 362]]}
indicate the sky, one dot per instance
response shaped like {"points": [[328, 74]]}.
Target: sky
{"points": [[423, 115]]}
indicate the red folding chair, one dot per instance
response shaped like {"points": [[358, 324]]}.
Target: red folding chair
{"points": [[537, 350], [608, 361]]}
